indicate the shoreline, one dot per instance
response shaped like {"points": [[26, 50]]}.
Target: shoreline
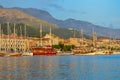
{"points": [[72, 54], [96, 54]]}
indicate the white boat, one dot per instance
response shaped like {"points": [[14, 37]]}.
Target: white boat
{"points": [[27, 54]]}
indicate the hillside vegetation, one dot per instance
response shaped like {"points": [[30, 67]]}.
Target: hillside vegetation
{"points": [[16, 16], [33, 24]]}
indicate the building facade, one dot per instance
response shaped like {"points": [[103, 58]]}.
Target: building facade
{"points": [[13, 42]]}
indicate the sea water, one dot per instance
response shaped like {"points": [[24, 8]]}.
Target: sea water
{"points": [[106, 67]]}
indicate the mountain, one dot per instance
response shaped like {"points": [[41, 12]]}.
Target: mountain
{"points": [[34, 17], [72, 23], [17, 16], [41, 14], [21, 18]]}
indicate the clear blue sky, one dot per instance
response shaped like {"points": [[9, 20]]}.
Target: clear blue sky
{"points": [[100, 12]]}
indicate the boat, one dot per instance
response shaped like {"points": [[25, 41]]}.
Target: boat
{"points": [[27, 54], [44, 50], [2, 53], [15, 54], [47, 50], [108, 52], [83, 50]]}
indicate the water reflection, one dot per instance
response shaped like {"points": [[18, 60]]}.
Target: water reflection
{"points": [[59, 68]]}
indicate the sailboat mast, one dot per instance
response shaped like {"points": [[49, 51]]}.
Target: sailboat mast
{"points": [[93, 36], [82, 36], [7, 36], [25, 34], [0, 38], [14, 38], [21, 37], [110, 40], [41, 35], [74, 32], [25, 31], [20, 32], [50, 37]]}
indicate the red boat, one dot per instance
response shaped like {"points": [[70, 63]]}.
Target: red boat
{"points": [[48, 51]]}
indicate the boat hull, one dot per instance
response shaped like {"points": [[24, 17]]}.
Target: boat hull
{"points": [[43, 52], [27, 54], [108, 52], [15, 54], [2, 54]]}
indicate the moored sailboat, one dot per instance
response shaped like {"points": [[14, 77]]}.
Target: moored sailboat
{"points": [[47, 50], [44, 50], [26, 52], [109, 51], [14, 53], [2, 53]]}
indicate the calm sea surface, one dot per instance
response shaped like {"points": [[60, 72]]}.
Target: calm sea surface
{"points": [[60, 68]]}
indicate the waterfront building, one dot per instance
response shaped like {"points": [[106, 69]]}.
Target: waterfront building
{"points": [[46, 40], [11, 43], [33, 42], [74, 41], [51, 39]]}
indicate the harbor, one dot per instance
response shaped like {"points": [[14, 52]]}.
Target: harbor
{"points": [[59, 40], [104, 67], [13, 44]]}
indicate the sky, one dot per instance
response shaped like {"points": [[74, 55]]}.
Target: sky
{"points": [[100, 12]]}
